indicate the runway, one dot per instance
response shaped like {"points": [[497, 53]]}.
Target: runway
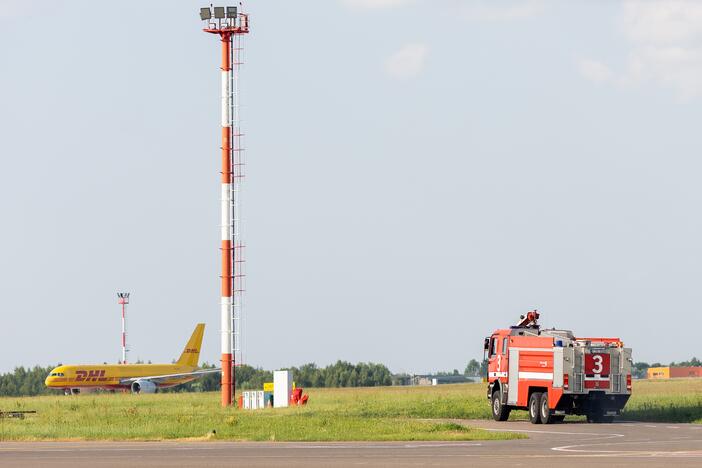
{"points": [[569, 444]]}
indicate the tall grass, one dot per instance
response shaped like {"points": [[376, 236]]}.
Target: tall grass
{"points": [[675, 400], [332, 414], [376, 413]]}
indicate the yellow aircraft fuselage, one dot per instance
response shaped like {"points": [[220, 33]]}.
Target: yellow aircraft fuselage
{"points": [[109, 376]]}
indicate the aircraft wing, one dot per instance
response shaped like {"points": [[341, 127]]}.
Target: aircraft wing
{"points": [[159, 378]]}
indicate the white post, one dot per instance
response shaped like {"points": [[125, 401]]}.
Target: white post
{"points": [[124, 300]]}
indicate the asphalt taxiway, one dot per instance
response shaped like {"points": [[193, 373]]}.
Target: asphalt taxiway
{"points": [[568, 444]]}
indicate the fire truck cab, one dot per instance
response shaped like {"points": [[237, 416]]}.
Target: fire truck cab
{"points": [[551, 373]]}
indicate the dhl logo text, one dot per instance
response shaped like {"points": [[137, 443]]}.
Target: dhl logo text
{"points": [[191, 351], [90, 376]]}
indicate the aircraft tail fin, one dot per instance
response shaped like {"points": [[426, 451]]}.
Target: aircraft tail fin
{"points": [[191, 353]]}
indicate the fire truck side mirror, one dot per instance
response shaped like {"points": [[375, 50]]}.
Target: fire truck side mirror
{"points": [[486, 344]]}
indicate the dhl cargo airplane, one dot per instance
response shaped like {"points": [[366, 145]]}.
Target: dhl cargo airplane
{"points": [[139, 378]]}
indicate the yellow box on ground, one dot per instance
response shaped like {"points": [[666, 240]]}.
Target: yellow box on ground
{"points": [[268, 386]]}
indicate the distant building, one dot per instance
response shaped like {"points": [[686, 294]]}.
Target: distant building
{"points": [[673, 372], [438, 379]]}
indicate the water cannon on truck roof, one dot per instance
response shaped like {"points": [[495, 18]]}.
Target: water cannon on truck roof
{"points": [[528, 321], [552, 373]]}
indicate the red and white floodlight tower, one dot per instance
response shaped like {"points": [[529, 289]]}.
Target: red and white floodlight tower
{"points": [[230, 25], [123, 300]]}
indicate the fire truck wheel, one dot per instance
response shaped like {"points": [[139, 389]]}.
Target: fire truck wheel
{"points": [[545, 412], [500, 412], [534, 406]]}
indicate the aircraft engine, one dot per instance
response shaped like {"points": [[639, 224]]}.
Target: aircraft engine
{"points": [[144, 386]]}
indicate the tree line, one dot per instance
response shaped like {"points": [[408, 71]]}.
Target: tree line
{"points": [[339, 374], [25, 382], [475, 368], [30, 381], [342, 374]]}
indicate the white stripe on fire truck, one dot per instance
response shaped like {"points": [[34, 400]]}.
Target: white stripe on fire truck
{"points": [[536, 375], [597, 377], [498, 374]]}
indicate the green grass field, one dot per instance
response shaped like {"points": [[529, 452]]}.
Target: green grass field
{"points": [[382, 413], [677, 400]]}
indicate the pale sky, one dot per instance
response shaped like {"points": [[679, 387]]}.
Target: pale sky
{"points": [[419, 174]]}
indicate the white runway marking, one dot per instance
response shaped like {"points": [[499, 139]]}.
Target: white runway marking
{"points": [[597, 434], [581, 448]]}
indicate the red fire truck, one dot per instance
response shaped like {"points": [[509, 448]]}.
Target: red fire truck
{"points": [[551, 373]]}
